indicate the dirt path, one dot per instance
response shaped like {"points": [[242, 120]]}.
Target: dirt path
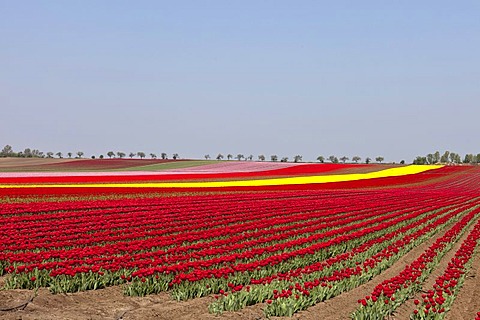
{"points": [[109, 303]]}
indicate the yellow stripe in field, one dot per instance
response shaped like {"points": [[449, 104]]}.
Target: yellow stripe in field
{"points": [[392, 172]]}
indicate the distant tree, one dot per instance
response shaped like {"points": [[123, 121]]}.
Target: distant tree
{"points": [[368, 160], [250, 157], [69, 154], [7, 151], [101, 156], [284, 159], [430, 159], [452, 156], [110, 154], [436, 157], [420, 160], [458, 159], [92, 157], [229, 156], [379, 159], [333, 159], [49, 154], [321, 159], [141, 154], [153, 156], [240, 156], [469, 158], [444, 157], [35, 153], [131, 155], [274, 157], [402, 162], [261, 157], [219, 156], [207, 157], [297, 158], [344, 159], [80, 154], [121, 154], [27, 153], [59, 154], [175, 156], [164, 156], [356, 159], [478, 158]]}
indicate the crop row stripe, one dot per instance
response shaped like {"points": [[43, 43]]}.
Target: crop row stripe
{"points": [[392, 172]]}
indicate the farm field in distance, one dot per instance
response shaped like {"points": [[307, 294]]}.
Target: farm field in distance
{"points": [[194, 239]]}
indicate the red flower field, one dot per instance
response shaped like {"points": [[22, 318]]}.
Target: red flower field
{"points": [[367, 248]]}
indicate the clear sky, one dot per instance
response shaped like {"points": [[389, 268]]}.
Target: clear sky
{"points": [[369, 78]]}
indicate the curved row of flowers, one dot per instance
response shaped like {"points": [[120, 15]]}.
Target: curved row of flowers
{"points": [[391, 293]]}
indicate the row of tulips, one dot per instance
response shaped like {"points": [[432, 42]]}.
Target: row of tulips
{"points": [[345, 271], [392, 293], [437, 301]]}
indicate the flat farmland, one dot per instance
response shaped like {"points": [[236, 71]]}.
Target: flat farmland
{"points": [[126, 239]]}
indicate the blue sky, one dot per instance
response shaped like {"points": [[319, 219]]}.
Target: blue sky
{"points": [[367, 78]]}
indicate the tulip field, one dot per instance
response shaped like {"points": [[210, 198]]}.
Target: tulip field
{"points": [[283, 237]]}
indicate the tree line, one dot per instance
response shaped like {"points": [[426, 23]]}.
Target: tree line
{"points": [[447, 157], [432, 158], [8, 151]]}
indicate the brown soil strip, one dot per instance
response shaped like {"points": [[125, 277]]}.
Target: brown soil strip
{"points": [[110, 303], [404, 311], [19, 162]]}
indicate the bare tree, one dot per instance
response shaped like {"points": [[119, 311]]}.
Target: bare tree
{"points": [[356, 159], [333, 159], [344, 159]]}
